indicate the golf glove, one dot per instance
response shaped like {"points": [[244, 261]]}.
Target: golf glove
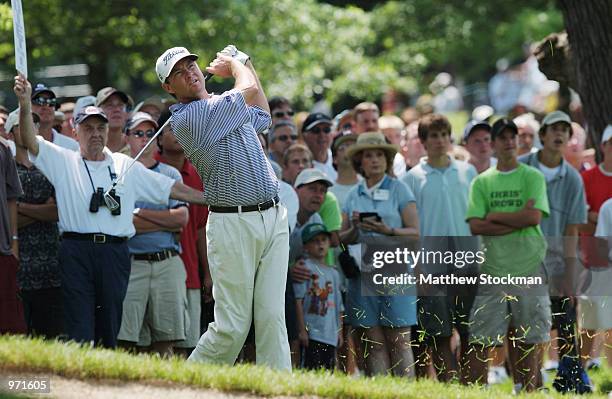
{"points": [[233, 52]]}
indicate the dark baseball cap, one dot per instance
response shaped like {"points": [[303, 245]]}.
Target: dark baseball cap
{"points": [[473, 125], [88, 112], [312, 230], [500, 125], [315, 119], [42, 88]]}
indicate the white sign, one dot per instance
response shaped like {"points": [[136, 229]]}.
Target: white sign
{"points": [[21, 57]]}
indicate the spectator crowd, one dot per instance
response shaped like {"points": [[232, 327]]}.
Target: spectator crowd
{"points": [[74, 266]]}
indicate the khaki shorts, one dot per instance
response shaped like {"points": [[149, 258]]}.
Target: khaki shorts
{"points": [[493, 313], [154, 309], [194, 310]]}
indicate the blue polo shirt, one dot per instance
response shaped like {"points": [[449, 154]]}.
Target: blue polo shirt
{"points": [[565, 197], [156, 241], [567, 204], [388, 200], [442, 197]]}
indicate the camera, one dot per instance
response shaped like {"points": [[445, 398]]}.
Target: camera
{"points": [[111, 200]]}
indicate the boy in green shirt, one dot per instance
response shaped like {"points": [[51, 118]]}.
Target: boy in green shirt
{"points": [[506, 206]]}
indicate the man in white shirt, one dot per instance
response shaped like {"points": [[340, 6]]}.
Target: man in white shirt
{"points": [[94, 257]]}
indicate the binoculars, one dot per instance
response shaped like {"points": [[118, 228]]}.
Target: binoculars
{"points": [[111, 200]]}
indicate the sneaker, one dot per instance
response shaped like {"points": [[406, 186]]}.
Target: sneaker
{"points": [[497, 375]]}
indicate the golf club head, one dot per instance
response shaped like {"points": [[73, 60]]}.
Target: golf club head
{"points": [[110, 202]]}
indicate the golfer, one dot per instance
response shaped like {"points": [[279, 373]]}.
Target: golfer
{"points": [[247, 231]]}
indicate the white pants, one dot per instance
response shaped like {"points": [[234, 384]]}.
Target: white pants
{"points": [[248, 255]]}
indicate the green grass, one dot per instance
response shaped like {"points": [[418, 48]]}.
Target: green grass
{"points": [[19, 354]]}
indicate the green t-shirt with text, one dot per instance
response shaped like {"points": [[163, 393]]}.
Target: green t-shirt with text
{"points": [[521, 252]]}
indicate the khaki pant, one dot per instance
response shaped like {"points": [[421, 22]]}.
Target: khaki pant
{"points": [[248, 255]]}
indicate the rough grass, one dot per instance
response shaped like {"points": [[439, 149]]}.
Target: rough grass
{"points": [[70, 360]]}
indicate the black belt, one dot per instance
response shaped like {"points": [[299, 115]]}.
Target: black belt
{"points": [[248, 208], [156, 256], [96, 238]]}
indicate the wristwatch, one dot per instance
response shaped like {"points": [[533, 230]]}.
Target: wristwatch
{"points": [[136, 210]]}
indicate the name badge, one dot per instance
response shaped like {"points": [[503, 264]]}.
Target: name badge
{"points": [[380, 195]]}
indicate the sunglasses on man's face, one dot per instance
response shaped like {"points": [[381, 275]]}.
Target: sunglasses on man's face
{"points": [[318, 130], [285, 138], [42, 101], [141, 133], [281, 114]]}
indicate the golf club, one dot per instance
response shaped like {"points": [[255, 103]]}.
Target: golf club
{"points": [[110, 202]]}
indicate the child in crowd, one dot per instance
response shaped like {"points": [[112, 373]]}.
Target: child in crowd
{"points": [[319, 303]]}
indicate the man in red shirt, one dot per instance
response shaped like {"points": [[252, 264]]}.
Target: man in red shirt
{"points": [[193, 236], [598, 189]]}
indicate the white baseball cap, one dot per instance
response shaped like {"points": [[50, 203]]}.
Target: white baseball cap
{"points": [[168, 59], [607, 134], [311, 175]]}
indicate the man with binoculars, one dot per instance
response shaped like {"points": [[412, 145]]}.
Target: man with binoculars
{"points": [[94, 256]]}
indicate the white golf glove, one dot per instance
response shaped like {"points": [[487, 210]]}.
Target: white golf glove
{"points": [[233, 52]]}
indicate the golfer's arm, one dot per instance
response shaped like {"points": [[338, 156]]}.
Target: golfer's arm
{"points": [[27, 130], [261, 101], [245, 82], [185, 193]]}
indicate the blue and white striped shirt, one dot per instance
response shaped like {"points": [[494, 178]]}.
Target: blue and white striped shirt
{"points": [[219, 136]]}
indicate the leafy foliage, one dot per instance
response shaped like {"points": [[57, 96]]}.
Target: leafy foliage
{"points": [[300, 48]]}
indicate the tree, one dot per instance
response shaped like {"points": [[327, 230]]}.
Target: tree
{"points": [[580, 58], [590, 40], [301, 48]]}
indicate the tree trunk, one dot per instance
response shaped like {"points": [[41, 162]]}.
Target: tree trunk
{"points": [[590, 39]]}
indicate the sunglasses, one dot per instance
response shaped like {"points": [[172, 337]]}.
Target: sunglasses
{"points": [[318, 130], [140, 133], [280, 114], [285, 138], [42, 101]]}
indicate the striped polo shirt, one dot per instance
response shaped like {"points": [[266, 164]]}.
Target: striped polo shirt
{"points": [[219, 136]]}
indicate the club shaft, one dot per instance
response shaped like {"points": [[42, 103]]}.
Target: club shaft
{"points": [[140, 153]]}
